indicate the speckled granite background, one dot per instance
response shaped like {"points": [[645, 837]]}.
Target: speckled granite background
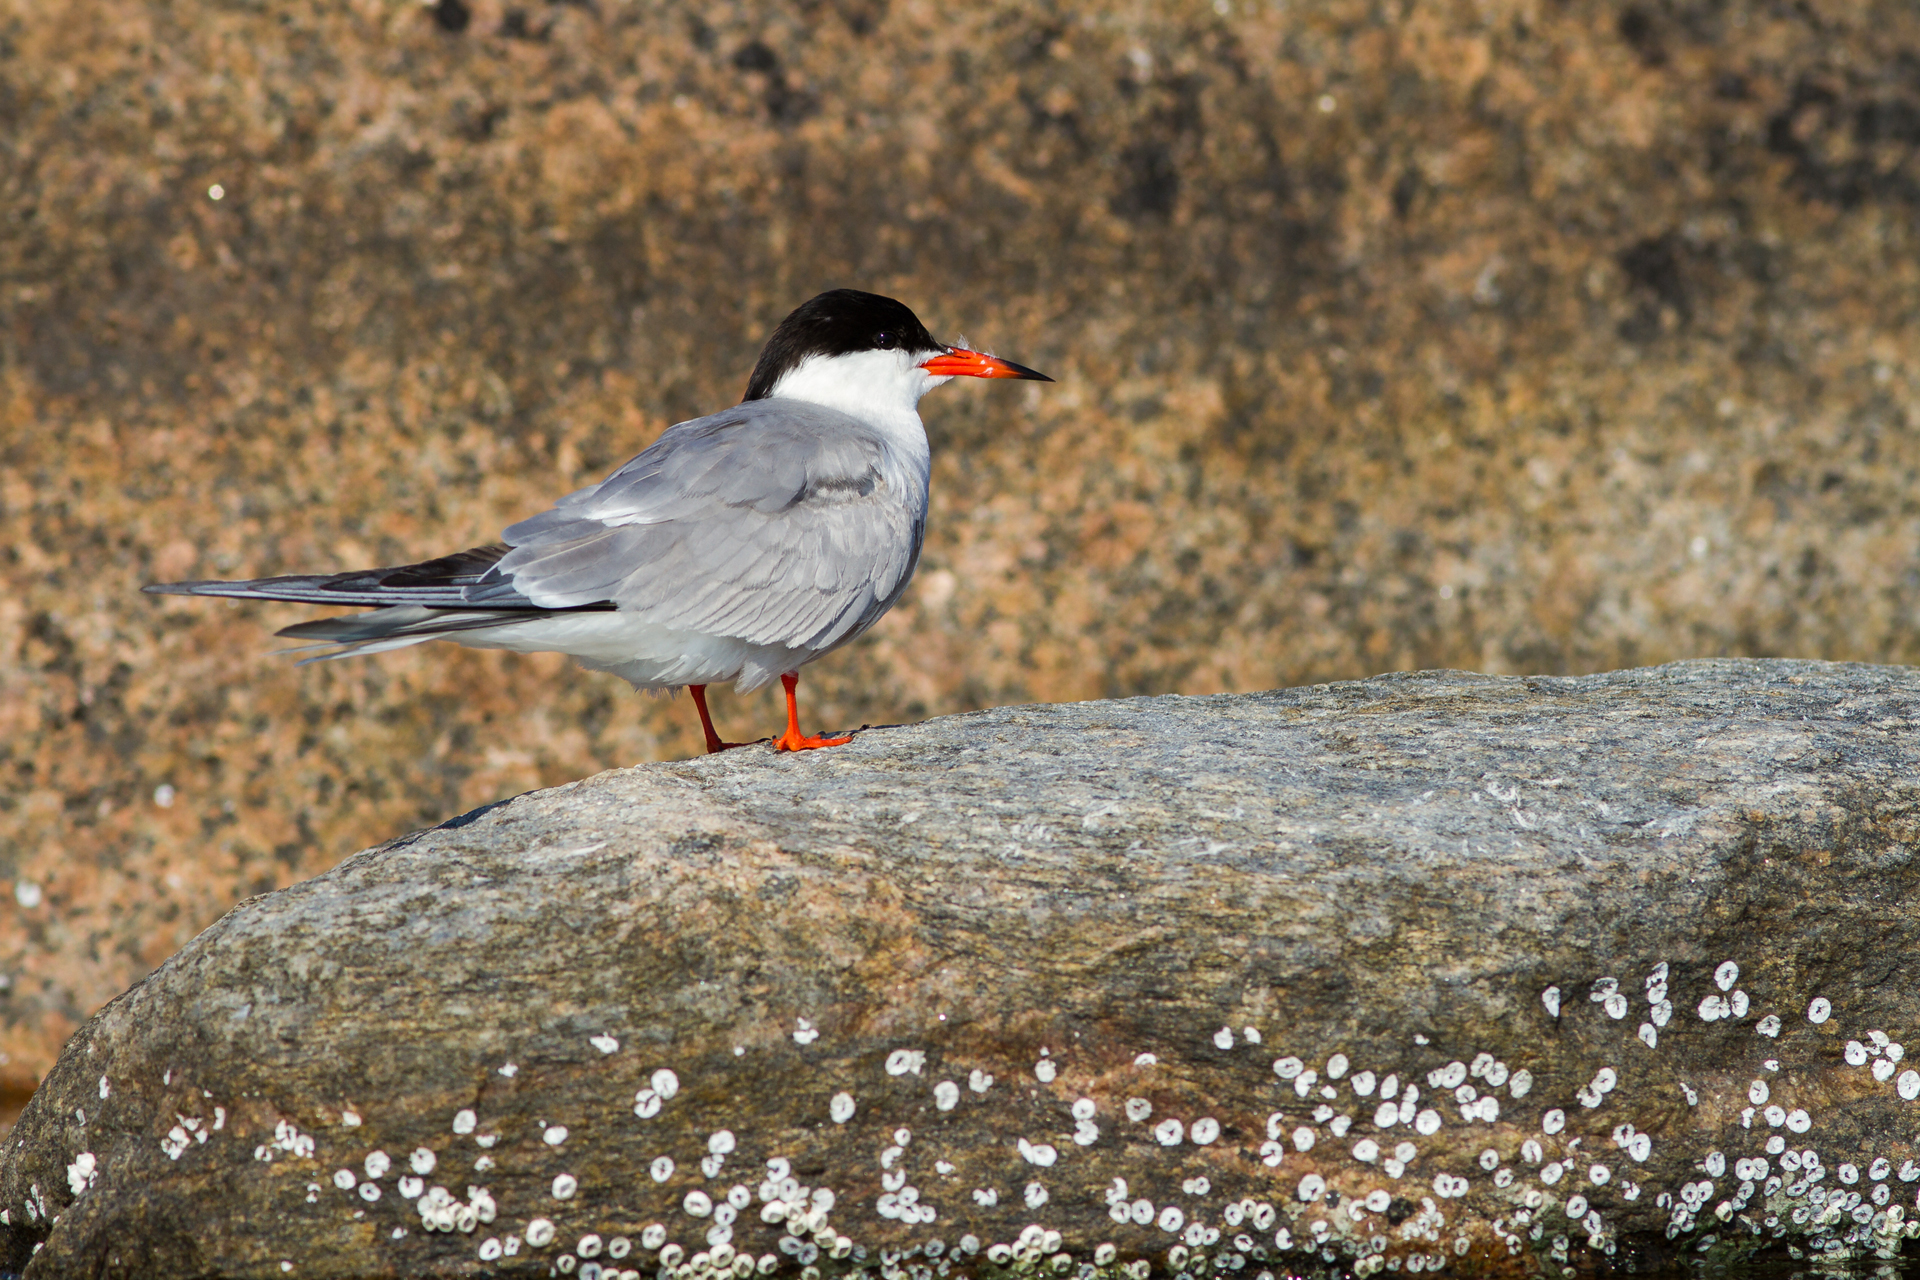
{"points": [[1504, 335]]}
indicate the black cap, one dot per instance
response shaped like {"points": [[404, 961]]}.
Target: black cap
{"points": [[838, 322]]}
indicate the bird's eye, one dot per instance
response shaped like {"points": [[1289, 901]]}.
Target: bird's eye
{"points": [[885, 341]]}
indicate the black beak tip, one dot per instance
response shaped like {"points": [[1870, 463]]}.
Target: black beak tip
{"points": [[1031, 375]]}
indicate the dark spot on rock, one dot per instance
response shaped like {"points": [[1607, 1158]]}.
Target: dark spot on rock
{"points": [[1847, 147], [1636, 26], [1655, 273], [478, 126], [1405, 188], [784, 103], [1038, 42], [755, 55], [515, 26], [1150, 184], [452, 15], [60, 648], [1789, 128], [862, 16], [1399, 1210], [778, 888], [1653, 264], [1893, 120], [699, 842]]}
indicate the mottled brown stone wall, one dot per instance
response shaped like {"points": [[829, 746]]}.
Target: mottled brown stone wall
{"points": [[1515, 336]]}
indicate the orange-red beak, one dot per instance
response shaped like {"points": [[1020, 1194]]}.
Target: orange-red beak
{"points": [[958, 362]]}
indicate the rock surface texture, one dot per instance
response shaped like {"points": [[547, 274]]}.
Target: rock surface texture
{"points": [[1497, 334], [1433, 972]]}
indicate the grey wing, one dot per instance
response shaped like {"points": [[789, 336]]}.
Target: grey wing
{"points": [[775, 523]]}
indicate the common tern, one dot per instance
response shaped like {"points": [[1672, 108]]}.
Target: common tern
{"points": [[739, 546]]}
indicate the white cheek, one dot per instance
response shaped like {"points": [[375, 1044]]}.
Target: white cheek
{"points": [[876, 386]]}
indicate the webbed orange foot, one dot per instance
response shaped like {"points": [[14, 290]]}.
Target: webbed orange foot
{"points": [[793, 739]]}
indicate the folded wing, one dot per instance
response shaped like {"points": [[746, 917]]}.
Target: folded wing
{"points": [[431, 584], [776, 522]]}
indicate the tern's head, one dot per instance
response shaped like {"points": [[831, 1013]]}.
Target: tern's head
{"points": [[865, 354]]}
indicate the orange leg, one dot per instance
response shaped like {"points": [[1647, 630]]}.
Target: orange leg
{"points": [[699, 692], [793, 739]]}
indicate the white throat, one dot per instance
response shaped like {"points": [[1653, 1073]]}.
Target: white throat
{"points": [[881, 388]]}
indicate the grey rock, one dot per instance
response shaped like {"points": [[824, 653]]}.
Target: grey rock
{"points": [[1436, 971]]}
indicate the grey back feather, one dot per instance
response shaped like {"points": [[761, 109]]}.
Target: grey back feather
{"points": [[775, 522]]}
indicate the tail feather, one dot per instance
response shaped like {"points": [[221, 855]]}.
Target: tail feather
{"points": [[394, 627], [403, 620], [353, 649], [407, 604]]}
